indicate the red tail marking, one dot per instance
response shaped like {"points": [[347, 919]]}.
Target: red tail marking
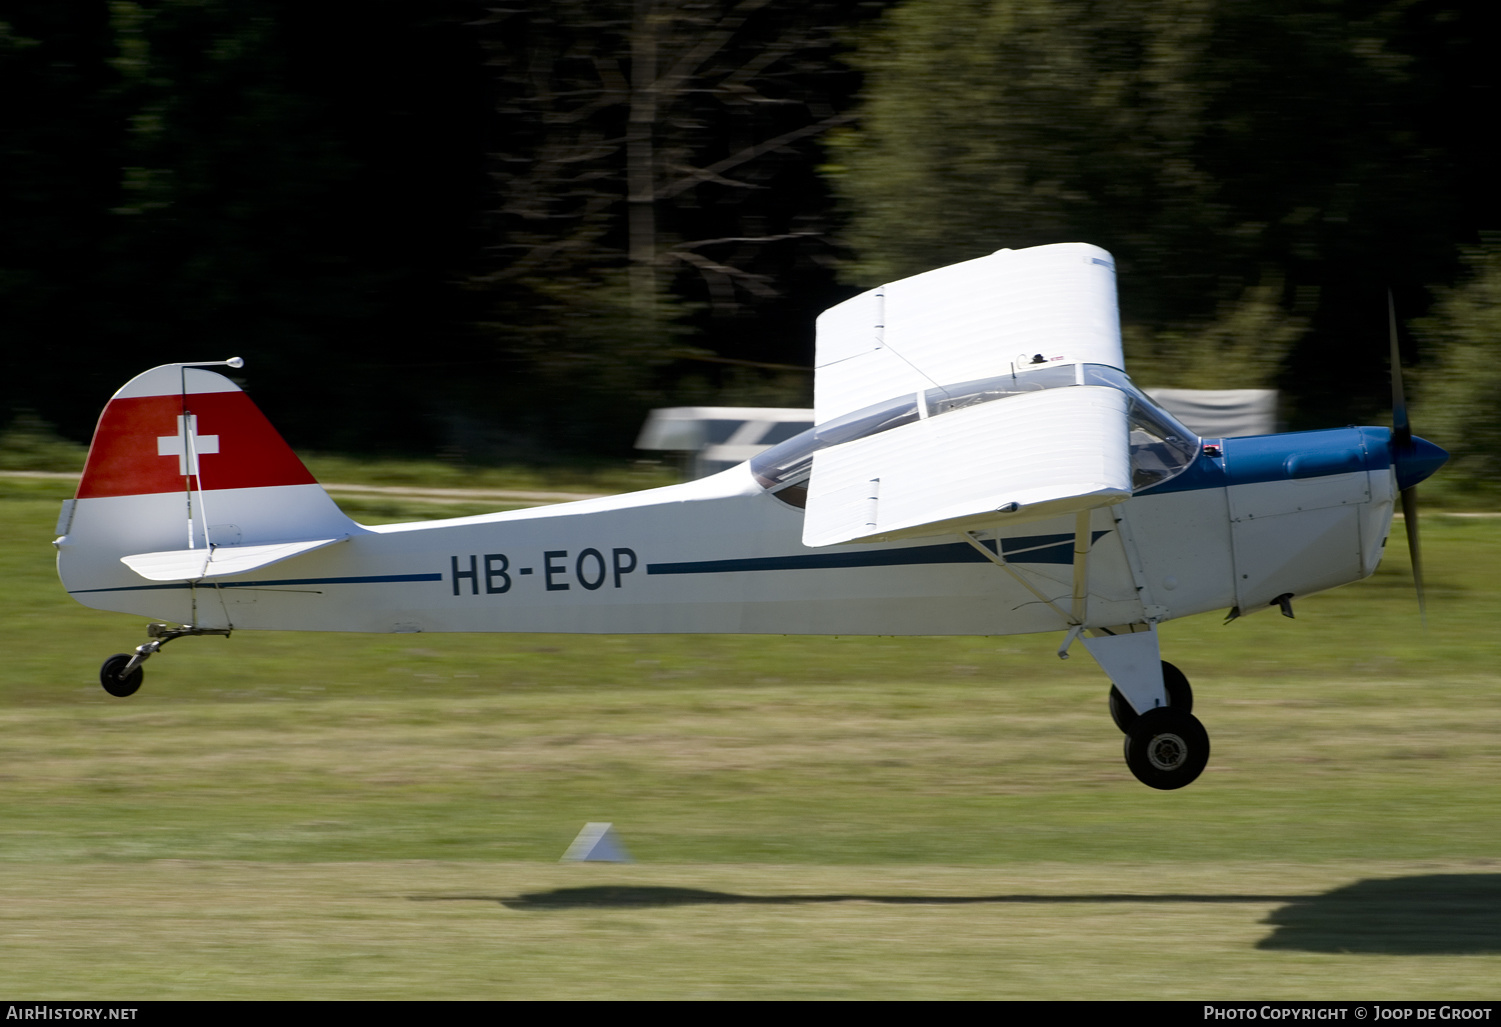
{"points": [[126, 459]]}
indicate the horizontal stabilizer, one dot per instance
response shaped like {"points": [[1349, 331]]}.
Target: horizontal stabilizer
{"points": [[1027, 458], [218, 561]]}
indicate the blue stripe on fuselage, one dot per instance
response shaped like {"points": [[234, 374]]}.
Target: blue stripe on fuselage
{"points": [[1027, 549], [368, 579], [1302, 454]]}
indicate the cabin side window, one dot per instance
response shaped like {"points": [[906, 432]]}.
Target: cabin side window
{"points": [[783, 469], [1161, 447]]}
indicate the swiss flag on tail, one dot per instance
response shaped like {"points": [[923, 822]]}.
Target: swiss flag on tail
{"points": [[174, 428]]}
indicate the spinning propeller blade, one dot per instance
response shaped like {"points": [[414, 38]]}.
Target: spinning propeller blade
{"points": [[1413, 458], [1401, 429], [1414, 550]]}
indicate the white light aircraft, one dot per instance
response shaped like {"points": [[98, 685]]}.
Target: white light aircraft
{"points": [[980, 465]]}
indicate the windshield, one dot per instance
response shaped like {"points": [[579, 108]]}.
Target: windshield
{"points": [[1161, 447]]}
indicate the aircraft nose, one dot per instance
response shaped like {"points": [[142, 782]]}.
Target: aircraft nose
{"points": [[1416, 461]]}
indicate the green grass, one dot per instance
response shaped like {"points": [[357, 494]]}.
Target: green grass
{"points": [[284, 815]]}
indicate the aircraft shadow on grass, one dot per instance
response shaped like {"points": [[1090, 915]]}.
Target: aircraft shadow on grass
{"points": [[1432, 914], [1425, 915]]}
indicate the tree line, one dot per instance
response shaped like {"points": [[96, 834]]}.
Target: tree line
{"points": [[505, 229]]}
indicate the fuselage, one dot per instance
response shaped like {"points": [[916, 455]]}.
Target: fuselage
{"points": [[1247, 521]]}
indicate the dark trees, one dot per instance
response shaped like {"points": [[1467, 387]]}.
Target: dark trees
{"points": [[430, 222], [1262, 171], [259, 177], [655, 170]]}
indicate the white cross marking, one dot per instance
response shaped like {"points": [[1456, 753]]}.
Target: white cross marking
{"points": [[177, 445]]}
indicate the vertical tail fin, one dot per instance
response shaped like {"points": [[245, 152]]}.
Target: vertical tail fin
{"points": [[183, 462], [175, 429]]}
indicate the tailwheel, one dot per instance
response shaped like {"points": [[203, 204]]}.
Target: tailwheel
{"points": [[115, 681], [1167, 748], [1180, 696], [117, 675]]}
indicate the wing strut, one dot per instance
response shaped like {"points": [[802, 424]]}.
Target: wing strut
{"points": [[1073, 620], [1081, 568]]}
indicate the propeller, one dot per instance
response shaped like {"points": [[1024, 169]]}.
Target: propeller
{"points": [[1413, 459]]}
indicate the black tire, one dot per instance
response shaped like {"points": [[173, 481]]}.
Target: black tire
{"points": [[1180, 695], [114, 684], [1167, 748]]}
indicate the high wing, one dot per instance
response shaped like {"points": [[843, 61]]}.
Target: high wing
{"points": [[1016, 325], [968, 321]]}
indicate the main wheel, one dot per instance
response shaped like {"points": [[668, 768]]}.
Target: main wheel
{"points": [[114, 684], [1180, 695], [1167, 748]]}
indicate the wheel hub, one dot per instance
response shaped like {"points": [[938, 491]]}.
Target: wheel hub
{"points": [[1167, 751]]}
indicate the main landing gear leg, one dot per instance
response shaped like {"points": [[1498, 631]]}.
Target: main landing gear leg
{"points": [[1152, 703], [121, 674], [1180, 695], [1166, 747]]}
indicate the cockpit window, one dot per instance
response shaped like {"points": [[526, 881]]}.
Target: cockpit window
{"points": [[1161, 447], [790, 462], [967, 394]]}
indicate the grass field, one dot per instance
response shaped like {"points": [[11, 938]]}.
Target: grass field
{"points": [[327, 816]]}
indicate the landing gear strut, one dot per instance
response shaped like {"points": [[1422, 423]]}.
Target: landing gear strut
{"points": [[1180, 695], [121, 674]]}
